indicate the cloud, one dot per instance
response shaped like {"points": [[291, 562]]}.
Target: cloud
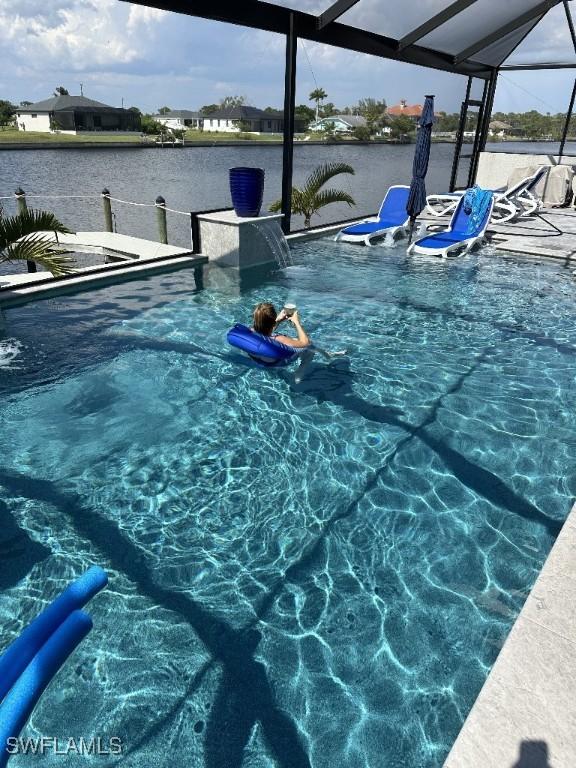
{"points": [[150, 57], [72, 35]]}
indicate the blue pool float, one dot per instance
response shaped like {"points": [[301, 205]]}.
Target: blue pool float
{"points": [[23, 697], [264, 350], [32, 660]]}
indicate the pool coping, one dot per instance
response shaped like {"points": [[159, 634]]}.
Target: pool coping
{"points": [[525, 713], [96, 277]]}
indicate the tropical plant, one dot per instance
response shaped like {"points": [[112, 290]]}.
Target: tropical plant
{"points": [[329, 109], [150, 126], [362, 133], [21, 239], [308, 200], [402, 126], [7, 111], [318, 95], [304, 114], [231, 102], [373, 111]]}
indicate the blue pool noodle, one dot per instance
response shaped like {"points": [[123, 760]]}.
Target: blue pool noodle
{"points": [[19, 653], [19, 703]]}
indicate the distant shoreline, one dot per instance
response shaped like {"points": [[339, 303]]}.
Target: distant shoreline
{"points": [[34, 145]]}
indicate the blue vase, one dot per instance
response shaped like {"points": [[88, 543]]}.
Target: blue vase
{"points": [[247, 188]]}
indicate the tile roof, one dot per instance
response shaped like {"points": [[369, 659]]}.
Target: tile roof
{"points": [[244, 113], [185, 114], [411, 110], [67, 103]]}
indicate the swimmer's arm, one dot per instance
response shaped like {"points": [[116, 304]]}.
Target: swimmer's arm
{"points": [[290, 342], [303, 339]]}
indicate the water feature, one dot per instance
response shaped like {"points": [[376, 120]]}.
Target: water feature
{"points": [[272, 233]]}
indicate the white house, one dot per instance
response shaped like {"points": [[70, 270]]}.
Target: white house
{"points": [[70, 114], [181, 119], [248, 120], [339, 123]]}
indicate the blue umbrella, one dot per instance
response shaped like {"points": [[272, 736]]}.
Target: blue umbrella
{"points": [[417, 195]]}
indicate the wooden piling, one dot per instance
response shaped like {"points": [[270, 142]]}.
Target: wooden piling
{"points": [[107, 207], [161, 219], [22, 207]]}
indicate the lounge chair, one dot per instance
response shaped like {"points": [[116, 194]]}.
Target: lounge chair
{"points": [[465, 231], [392, 219], [517, 201]]}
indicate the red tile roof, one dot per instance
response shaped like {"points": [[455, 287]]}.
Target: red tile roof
{"points": [[410, 110]]}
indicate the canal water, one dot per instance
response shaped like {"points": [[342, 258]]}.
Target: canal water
{"points": [[196, 178]]}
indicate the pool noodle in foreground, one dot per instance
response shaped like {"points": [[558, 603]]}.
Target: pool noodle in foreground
{"points": [[23, 697], [19, 653], [31, 661]]}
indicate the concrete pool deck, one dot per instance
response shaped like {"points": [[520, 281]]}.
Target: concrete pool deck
{"points": [[525, 714], [531, 237]]}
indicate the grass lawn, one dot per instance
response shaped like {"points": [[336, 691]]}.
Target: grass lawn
{"points": [[216, 136], [13, 136]]}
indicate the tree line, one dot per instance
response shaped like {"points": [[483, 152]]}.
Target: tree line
{"points": [[530, 125]]}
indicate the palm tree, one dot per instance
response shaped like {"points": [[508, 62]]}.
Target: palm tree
{"points": [[318, 95], [308, 200], [21, 240]]}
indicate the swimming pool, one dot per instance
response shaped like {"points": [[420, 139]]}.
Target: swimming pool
{"points": [[313, 575]]}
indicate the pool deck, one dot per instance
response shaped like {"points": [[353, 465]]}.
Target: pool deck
{"points": [[525, 714], [532, 237]]}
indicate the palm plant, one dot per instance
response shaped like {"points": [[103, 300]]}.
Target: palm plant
{"points": [[21, 239], [318, 95], [308, 200]]}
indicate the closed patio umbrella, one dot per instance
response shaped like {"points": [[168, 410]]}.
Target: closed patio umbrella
{"points": [[417, 195]]}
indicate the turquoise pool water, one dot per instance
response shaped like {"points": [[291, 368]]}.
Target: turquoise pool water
{"points": [[301, 576]]}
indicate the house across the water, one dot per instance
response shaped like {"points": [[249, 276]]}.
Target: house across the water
{"points": [[181, 120], [339, 123], [73, 114], [413, 111], [247, 120]]}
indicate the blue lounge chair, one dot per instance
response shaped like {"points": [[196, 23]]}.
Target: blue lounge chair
{"points": [[517, 201], [466, 229], [392, 219]]}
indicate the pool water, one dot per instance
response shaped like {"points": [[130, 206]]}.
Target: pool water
{"points": [[301, 576]]}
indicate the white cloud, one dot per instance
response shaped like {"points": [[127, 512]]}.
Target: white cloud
{"points": [[73, 35]]}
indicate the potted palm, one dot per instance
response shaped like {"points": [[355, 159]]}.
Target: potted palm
{"points": [[308, 200]]}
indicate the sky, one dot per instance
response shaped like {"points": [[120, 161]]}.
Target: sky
{"points": [[136, 56]]}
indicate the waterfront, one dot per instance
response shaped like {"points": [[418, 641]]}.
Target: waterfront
{"points": [[196, 178]]}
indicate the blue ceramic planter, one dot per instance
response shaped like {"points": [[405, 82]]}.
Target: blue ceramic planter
{"points": [[247, 188]]}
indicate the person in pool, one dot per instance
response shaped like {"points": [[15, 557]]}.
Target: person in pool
{"points": [[265, 320]]}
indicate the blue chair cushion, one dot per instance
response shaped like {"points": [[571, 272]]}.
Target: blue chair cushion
{"points": [[367, 227]]}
